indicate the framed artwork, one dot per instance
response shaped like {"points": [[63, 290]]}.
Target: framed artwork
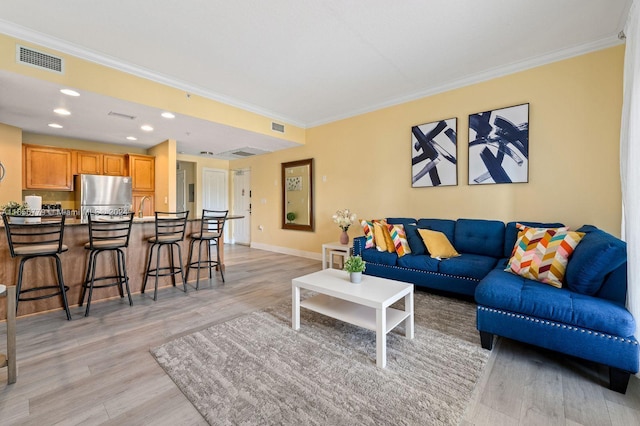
{"points": [[434, 154], [294, 183], [499, 146]]}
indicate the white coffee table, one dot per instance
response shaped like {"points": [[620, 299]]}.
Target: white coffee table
{"points": [[365, 305]]}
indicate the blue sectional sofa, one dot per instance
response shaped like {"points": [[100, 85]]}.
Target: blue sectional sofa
{"points": [[586, 318]]}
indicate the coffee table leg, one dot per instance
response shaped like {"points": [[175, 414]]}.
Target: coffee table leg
{"points": [[295, 307], [408, 323], [381, 338]]}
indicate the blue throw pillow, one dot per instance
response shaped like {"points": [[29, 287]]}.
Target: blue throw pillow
{"points": [[594, 258], [415, 240]]}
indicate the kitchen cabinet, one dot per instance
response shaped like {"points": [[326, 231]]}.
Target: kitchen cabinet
{"points": [[142, 169], [98, 163], [47, 168], [87, 163], [113, 164]]}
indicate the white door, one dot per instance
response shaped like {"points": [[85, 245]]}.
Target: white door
{"points": [[181, 190], [242, 206], [215, 192]]}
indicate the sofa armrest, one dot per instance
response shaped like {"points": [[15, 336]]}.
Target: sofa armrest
{"points": [[358, 245]]}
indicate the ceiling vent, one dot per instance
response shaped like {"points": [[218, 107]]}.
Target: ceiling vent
{"points": [[121, 115], [277, 127], [37, 59], [244, 152]]}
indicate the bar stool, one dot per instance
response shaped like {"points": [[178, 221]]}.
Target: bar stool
{"points": [[41, 237], [170, 229], [9, 359], [107, 233], [211, 229]]}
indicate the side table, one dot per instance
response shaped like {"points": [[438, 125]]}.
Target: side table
{"points": [[335, 249], [9, 360]]}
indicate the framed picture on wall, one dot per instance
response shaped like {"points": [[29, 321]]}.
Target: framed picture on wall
{"points": [[499, 146], [434, 154]]}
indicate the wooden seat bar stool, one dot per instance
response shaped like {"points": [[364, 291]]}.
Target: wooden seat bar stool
{"points": [[108, 233], [211, 231], [9, 360], [170, 230], [32, 237]]}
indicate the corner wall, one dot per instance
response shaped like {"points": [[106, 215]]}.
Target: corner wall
{"points": [[574, 177]]}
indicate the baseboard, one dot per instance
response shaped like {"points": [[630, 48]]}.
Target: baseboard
{"points": [[287, 250]]}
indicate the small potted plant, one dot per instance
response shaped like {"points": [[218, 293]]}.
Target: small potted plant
{"points": [[291, 216], [355, 266], [15, 208]]}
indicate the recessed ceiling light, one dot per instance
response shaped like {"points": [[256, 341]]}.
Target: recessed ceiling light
{"points": [[168, 115], [146, 128], [69, 92], [61, 111], [132, 138], [55, 125]]}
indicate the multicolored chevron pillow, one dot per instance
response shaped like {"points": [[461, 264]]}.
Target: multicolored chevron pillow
{"points": [[367, 228], [399, 238], [542, 254]]}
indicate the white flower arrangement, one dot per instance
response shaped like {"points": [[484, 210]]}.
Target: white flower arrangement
{"points": [[344, 219]]}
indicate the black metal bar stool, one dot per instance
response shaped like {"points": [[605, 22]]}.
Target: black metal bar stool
{"points": [[170, 229], [211, 229], [32, 237], [107, 233]]}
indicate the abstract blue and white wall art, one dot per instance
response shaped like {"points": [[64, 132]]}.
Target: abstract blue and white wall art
{"points": [[434, 154], [499, 146]]}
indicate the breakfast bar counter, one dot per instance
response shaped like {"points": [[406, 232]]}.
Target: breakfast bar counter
{"points": [[74, 266]]}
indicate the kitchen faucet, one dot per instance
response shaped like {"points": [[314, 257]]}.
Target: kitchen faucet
{"points": [[142, 205]]}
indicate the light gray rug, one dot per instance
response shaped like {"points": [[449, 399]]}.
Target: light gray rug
{"points": [[256, 370]]}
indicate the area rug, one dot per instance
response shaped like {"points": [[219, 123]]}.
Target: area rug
{"points": [[256, 370]]}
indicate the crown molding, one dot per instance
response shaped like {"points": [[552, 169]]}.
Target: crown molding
{"points": [[35, 37], [44, 40], [490, 74]]}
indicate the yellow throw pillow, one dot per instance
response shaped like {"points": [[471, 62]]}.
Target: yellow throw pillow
{"points": [[382, 237], [437, 244]]}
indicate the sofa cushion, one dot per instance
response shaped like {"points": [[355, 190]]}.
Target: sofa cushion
{"points": [[467, 265], [438, 246], [382, 238], [479, 236], [511, 233], [509, 292], [420, 262], [598, 254], [399, 238], [446, 226], [415, 240], [401, 220], [367, 228], [542, 254], [382, 257]]}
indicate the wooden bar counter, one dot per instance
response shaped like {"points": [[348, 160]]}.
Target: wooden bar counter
{"points": [[74, 265]]}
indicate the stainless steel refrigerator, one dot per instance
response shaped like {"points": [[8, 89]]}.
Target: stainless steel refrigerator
{"points": [[102, 194]]}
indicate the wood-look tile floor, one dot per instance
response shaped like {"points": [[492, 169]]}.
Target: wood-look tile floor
{"points": [[98, 370]]}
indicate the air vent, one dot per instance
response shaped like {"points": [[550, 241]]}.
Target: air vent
{"points": [[38, 59], [277, 127], [121, 115], [243, 153]]}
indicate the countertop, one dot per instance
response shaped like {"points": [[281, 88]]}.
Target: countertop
{"points": [[72, 221]]}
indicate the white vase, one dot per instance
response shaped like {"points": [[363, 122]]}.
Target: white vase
{"points": [[355, 277]]}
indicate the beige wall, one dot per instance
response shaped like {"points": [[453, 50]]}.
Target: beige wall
{"points": [[575, 108], [11, 158], [165, 174]]}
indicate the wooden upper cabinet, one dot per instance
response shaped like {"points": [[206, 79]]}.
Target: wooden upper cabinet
{"points": [[87, 162], [47, 168], [113, 164], [142, 169]]}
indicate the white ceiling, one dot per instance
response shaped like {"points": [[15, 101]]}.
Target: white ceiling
{"points": [[302, 62]]}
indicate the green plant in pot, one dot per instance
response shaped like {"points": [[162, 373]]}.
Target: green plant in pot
{"points": [[355, 266], [291, 216], [16, 208]]}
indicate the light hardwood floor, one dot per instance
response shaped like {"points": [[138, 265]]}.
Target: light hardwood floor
{"points": [[98, 370]]}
